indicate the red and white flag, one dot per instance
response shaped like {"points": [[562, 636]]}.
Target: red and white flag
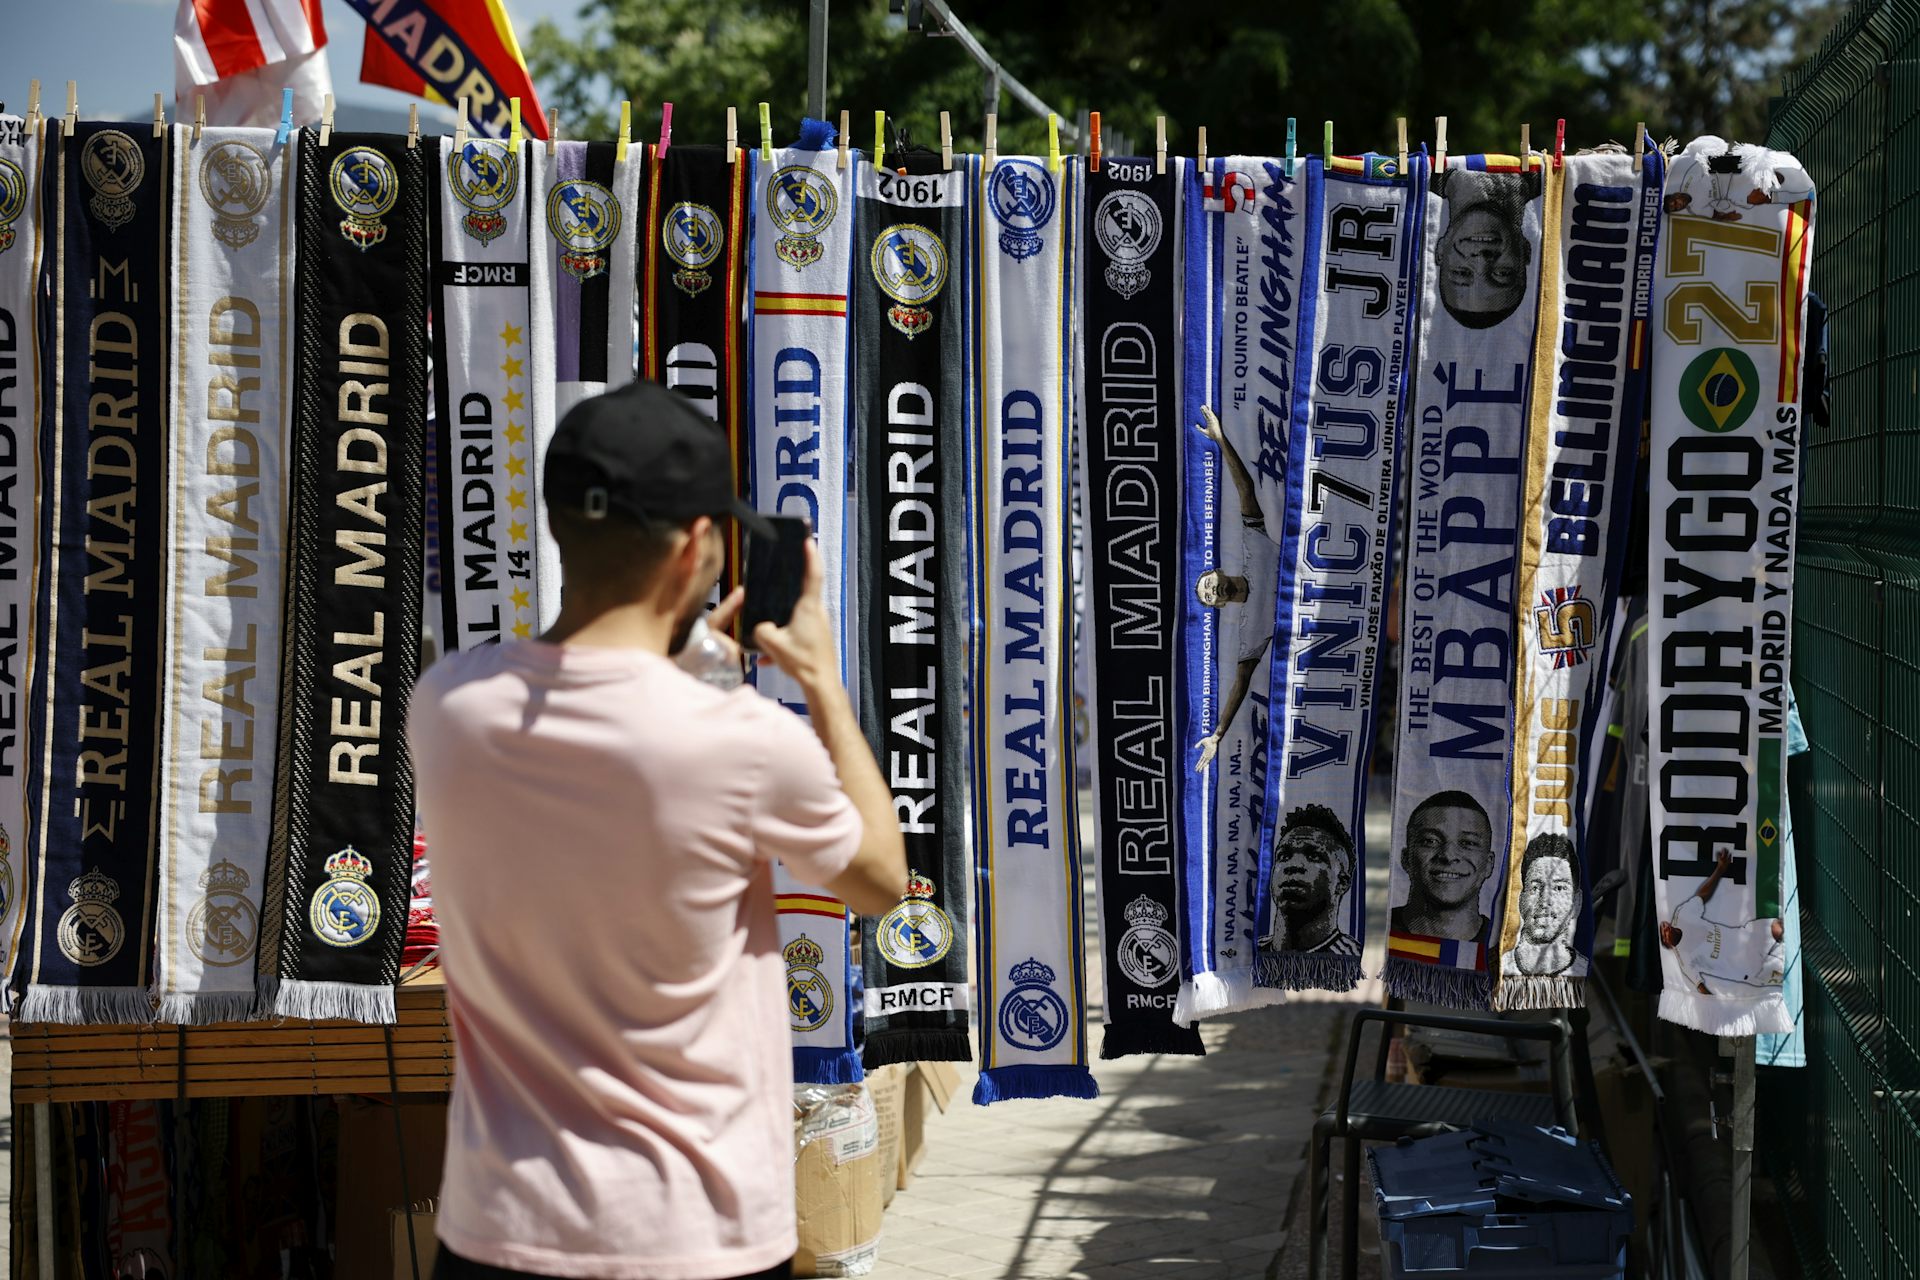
{"points": [[239, 55]]}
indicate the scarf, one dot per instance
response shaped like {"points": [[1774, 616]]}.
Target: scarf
{"points": [[693, 300], [1457, 619], [486, 510], [1236, 446], [98, 615], [141, 1229], [1360, 262], [1731, 295], [1130, 450], [910, 317], [582, 243], [1599, 218], [342, 859], [225, 551], [1031, 975], [19, 464]]}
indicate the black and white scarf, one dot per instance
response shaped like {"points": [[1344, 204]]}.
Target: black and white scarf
{"points": [[910, 384], [1130, 444], [341, 867], [93, 782]]}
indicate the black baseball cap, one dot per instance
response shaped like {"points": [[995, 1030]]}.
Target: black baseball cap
{"points": [[645, 452]]}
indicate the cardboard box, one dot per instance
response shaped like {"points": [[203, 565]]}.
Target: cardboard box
{"points": [[888, 1089], [836, 1183], [930, 1084], [369, 1196], [423, 1238]]}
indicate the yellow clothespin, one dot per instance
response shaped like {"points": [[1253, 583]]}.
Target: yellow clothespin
{"points": [[1439, 143], [626, 127], [1526, 148], [846, 124], [1203, 147], [199, 115], [33, 106], [326, 120], [879, 138], [1159, 144], [946, 141], [553, 129], [1402, 125], [1326, 146], [73, 108], [460, 130], [993, 138], [160, 118], [514, 135], [766, 133], [1053, 144], [1640, 145], [413, 125]]}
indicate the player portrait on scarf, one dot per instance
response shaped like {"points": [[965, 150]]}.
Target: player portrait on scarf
{"points": [[1312, 875], [1448, 859], [1252, 589], [1481, 258], [1549, 909]]}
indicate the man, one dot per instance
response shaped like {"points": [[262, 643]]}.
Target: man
{"points": [[604, 827], [1549, 905], [1728, 953], [1448, 857], [1253, 592], [1312, 873], [1481, 258]]}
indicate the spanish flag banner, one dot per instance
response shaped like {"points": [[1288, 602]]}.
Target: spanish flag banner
{"points": [[446, 50]]}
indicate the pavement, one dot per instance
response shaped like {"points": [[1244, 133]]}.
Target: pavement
{"points": [[1188, 1167]]}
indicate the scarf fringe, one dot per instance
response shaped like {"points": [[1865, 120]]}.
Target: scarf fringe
{"points": [[1538, 992], [87, 1006], [1718, 1016], [330, 1001], [1306, 971], [201, 1008], [826, 1066], [946, 1044], [1124, 1041], [1206, 994], [1000, 1084], [1437, 984]]}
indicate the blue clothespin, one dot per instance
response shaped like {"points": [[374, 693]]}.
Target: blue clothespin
{"points": [[286, 118], [1289, 146]]}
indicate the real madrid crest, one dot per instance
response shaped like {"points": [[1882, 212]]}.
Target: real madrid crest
{"points": [[236, 182], [13, 200], [1148, 954], [918, 932], [801, 201], [113, 166], [1022, 196], [345, 911], [910, 266], [365, 187], [222, 926], [693, 238], [483, 178], [90, 931], [809, 998], [1032, 1015], [6, 873], [584, 217], [1128, 226]]}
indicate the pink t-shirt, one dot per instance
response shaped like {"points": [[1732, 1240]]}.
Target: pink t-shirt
{"points": [[602, 828]]}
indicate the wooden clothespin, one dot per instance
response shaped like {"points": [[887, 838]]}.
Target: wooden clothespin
{"points": [[413, 125], [666, 130], [1159, 144], [879, 138], [1559, 142], [1400, 127], [1053, 144], [733, 134], [1093, 142], [33, 107], [846, 125], [1439, 143], [1640, 144], [1202, 148], [514, 135], [326, 120], [946, 142], [553, 129], [1326, 146], [199, 115], [766, 133], [993, 139], [626, 128], [460, 130], [1526, 148], [73, 108], [285, 128], [159, 117], [1290, 145]]}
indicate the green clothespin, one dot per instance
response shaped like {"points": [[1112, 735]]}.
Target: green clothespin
{"points": [[1326, 147], [1290, 144], [766, 133], [1053, 144]]}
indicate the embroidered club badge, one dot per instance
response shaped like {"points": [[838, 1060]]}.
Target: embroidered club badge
{"points": [[345, 912], [222, 926], [910, 266], [483, 178], [916, 933], [584, 217], [1032, 1014], [801, 202], [1128, 226], [694, 238], [113, 167], [809, 998], [236, 181], [1021, 194], [13, 200], [365, 187], [90, 930]]}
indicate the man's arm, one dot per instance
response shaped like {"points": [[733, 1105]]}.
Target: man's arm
{"points": [[877, 877]]}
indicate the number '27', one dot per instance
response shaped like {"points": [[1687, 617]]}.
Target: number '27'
{"points": [[1756, 322]]}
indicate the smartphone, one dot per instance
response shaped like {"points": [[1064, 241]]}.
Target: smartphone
{"points": [[776, 574]]}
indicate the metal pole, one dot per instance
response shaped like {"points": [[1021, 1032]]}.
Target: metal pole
{"points": [[993, 92], [996, 74], [1741, 1220], [817, 59]]}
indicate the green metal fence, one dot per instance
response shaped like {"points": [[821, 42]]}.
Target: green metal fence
{"points": [[1842, 1136]]}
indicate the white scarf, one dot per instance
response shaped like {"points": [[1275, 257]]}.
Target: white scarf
{"points": [[228, 431], [1729, 310]]}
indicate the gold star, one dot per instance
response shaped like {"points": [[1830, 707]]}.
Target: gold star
{"points": [[521, 630], [517, 531], [511, 336], [516, 433], [515, 399], [516, 498], [516, 465], [519, 597], [512, 368]]}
